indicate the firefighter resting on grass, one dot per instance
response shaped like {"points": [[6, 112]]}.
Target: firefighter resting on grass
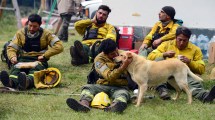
{"points": [[188, 53], [163, 30], [96, 29], [32, 46], [112, 81]]}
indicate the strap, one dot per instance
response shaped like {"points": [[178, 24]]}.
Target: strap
{"points": [[93, 49], [87, 32], [157, 31]]}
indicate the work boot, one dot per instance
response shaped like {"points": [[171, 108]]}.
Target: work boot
{"points": [[6, 80], [63, 33], [78, 55], [82, 106], [75, 58], [81, 53], [80, 49], [117, 107], [163, 92], [210, 96], [24, 82]]}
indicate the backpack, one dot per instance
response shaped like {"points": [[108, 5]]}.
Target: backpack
{"points": [[178, 21], [4, 56], [117, 36], [93, 76]]}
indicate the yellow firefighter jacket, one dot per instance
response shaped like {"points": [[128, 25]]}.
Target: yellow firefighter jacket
{"points": [[111, 74], [170, 36], [49, 43], [104, 32], [192, 52]]}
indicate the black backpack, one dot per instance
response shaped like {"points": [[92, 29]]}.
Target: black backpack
{"points": [[93, 76], [4, 56], [117, 36]]}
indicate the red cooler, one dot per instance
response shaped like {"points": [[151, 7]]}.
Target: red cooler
{"points": [[126, 38]]}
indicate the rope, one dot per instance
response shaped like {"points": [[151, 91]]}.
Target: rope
{"points": [[52, 9], [13, 91]]}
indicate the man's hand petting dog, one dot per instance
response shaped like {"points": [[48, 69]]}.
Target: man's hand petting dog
{"points": [[126, 62]]}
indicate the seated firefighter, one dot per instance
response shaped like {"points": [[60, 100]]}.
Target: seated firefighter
{"points": [[112, 81], [188, 53], [29, 51], [93, 30], [163, 30]]}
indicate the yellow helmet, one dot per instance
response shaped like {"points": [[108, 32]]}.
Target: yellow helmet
{"points": [[49, 77], [101, 100]]}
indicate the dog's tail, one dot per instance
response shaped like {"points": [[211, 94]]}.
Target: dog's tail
{"points": [[190, 73]]}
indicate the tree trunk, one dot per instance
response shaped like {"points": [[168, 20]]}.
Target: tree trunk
{"points": [[3, 4], [17, 12]]}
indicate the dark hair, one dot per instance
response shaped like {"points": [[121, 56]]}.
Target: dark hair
{"points": [[35, 18], [183, 30], [105, 8], [107, 46]]}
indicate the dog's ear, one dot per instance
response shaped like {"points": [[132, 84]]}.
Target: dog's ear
{"points": [[128, 54]]}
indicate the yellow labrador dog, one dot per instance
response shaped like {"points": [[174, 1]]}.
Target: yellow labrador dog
{"points": [[148, 73]]}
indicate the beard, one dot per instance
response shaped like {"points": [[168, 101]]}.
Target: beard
{"points": [[100, 21]]}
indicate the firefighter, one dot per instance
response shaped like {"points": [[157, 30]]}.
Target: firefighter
{"points": [[190, 55], [112, 81], [30, 44], [96, 29], [163, 30]]}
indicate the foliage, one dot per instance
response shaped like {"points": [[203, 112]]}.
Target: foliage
{"points": [[53, 106], [7, 25]]}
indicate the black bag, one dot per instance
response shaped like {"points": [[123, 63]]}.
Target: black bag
{"points": [[117, 36], [4, 56], [93, 76], [95, 50]]}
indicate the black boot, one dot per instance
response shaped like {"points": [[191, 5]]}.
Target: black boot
{"points": [[163, 92], [117, 107], [6, 80], [82, 106], [78, 54], [24, 82], [75, 58], [81, 53], [210, 96]]}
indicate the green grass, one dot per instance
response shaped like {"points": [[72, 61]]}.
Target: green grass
{"points": [[53, 106]]}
